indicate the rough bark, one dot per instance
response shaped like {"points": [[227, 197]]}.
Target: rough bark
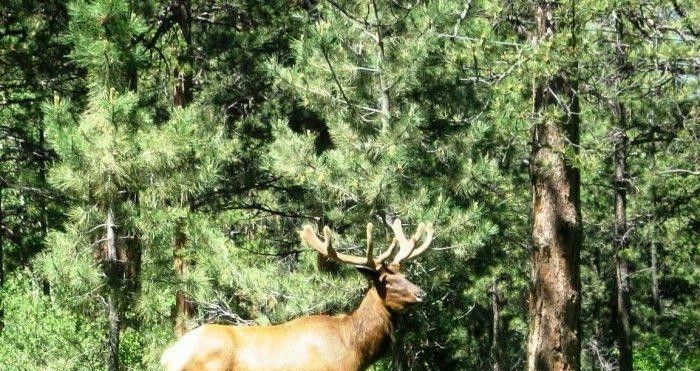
{"points": [[622, 310], [555, 298], [398, 349], [182, 95], [113, 338], [384, 105], [622, 288], [113, 272], [128, 250], [184, 308]]}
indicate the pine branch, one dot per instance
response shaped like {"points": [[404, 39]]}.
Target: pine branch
{"points": [[337, 81]]}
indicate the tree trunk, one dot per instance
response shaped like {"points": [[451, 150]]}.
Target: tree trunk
{"points": [[129, 254], [182, 95], [622, 310], [113, 338], [184, 308], [113, 273], [496, 354], [384, 105], [555, 299]]}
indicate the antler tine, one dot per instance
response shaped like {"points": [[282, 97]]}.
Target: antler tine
{"points": [[370, 246], [426, 243], [406, 246], [325, 247], [371, 260], [307, 234], [419, 233]]}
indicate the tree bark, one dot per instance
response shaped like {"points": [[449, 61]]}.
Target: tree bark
{"points": [[182, 95], [184, 308], [113, 272], [622, 310], [113, 338], [555, 298], [496, 354], [384, 105]]}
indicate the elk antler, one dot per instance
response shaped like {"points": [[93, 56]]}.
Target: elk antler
{"points": [[326, 249], [408, 248]]}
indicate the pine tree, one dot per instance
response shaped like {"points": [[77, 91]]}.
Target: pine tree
{"points": [[97, 153], [640, 103], [374, 143], [554, 342], [131, 176], [31, 55]]}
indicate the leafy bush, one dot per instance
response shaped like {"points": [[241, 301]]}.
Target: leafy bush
{"points": [[655, 353], [41, 333]]}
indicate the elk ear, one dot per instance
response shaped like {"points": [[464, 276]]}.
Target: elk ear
{"points": [[369, 273]]}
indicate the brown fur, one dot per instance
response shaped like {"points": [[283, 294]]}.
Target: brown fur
{"points": [[344, 342]]}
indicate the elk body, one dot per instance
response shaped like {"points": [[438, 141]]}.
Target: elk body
{"points": [[345, 342]]}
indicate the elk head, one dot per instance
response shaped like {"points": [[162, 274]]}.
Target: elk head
{"points": [[384, 270]]}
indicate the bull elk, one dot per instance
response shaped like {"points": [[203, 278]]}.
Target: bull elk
{"points": [[319, 342]]}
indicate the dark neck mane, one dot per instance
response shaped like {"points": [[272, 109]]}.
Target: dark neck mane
{"points": [[371, 327]]}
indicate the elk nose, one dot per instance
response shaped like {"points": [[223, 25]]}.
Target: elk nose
{"points": [[420, 295]]}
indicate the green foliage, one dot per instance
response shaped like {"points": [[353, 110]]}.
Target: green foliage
{"points": [[42, 333], [656, 354], [298, 114]]}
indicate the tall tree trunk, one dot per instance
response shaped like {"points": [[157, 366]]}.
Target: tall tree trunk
{"points": [[496, 354], [555, 299], [184, 308], [129, 253], [622, 310], [113, 272], [128, 246], [398, 348], [384, 105], [182, 95], [621, 142], [113, 337]]}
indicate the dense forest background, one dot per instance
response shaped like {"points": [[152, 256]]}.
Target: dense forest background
{"points": [[158, 159]]}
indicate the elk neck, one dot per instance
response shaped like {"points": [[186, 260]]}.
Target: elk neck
{"points": [[371, 327]]}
